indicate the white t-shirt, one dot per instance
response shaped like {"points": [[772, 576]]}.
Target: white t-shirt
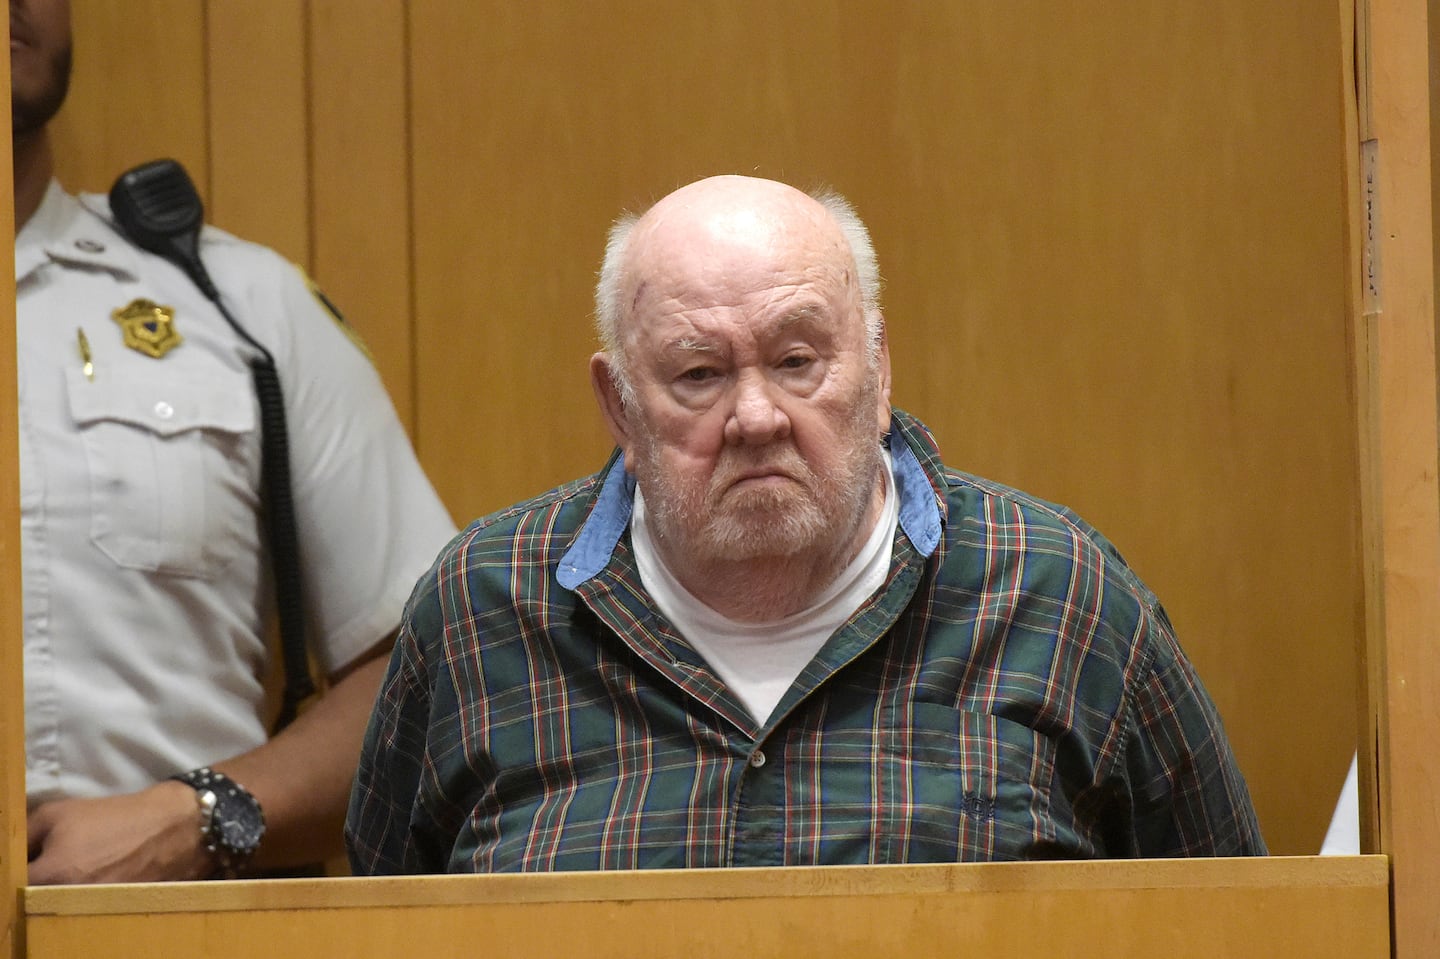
{"points": [[760, 661], [147, 590]]}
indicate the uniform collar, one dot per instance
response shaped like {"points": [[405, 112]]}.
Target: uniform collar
{"points": [[920, 515], [72, 232]]}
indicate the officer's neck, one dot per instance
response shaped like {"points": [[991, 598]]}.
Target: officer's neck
{"points": [[34, 166]]}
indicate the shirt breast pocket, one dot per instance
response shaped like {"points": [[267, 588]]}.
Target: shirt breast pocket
{"points": [[173, 464], [987, 785]]}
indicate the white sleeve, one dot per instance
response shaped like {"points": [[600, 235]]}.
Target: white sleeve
{"points": [[368, 521]]}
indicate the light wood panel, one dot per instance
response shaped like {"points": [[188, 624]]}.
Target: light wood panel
{"points": [[1306, 909], [1404, 442], [137, 92], [360, 188], [1138, 310], [1114, 237], [1363, 304], [258, 122]]}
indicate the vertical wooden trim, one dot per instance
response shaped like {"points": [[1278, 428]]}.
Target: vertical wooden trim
{"points": [[1403, 451], [360, 182], [12, 687], [1355, 79], [1357, 66]]}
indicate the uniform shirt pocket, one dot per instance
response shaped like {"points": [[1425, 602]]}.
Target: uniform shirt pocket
{"points": [[173, 464]]}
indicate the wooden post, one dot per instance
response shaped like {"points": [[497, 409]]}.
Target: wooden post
{"points": [[12, 687], [1396, 371]]}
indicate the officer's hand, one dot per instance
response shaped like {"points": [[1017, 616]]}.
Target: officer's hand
{"points": [[139, 837]]}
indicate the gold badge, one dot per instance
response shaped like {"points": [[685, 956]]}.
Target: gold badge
{"points": [[149, 328]]}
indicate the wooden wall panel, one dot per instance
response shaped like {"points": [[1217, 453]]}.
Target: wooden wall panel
{"points": [[1140, 312], [219, 86], [258, 122], [360, 190], [1114, 238], [138, 91]]}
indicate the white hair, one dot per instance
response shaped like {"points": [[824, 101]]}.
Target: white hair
{"points": [[609, 309], [607, 302], [867, 267]]}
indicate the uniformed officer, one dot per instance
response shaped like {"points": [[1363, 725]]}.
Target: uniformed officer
{"points": [[146, 577]]}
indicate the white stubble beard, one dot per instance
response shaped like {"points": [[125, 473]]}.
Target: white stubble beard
{"points": [[811, 515]]}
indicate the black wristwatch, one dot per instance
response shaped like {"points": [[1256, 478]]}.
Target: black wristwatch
{"points": [[231, 820]]}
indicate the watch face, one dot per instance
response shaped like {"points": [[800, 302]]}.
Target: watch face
{"points": [[238, 824]]}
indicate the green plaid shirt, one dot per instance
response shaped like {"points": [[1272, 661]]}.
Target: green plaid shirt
{"points": [[1013, 691]]}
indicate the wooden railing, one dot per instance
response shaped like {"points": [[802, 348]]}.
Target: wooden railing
{"points": [[1262, 908]]}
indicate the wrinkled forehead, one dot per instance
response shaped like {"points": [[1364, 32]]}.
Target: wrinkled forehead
{"points": [[724, 245]]}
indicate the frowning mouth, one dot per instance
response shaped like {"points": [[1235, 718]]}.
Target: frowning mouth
{"points": [[759, 479], [781, 468], [762, 478]]}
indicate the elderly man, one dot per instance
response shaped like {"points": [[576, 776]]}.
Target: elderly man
{"points": [[775, 629]]}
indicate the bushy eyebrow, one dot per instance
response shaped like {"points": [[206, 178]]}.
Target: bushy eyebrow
{"points": [[798, 315], [687, 345]]}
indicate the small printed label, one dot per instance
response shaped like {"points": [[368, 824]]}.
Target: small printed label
{"points": [[1370, 246]]}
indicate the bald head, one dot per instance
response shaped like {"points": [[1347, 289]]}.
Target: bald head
{"points": [[727, 233], [746, 381], [732, 217]]}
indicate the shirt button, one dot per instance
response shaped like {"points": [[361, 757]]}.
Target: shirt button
{"points": [[164, 410], [757, 759]]}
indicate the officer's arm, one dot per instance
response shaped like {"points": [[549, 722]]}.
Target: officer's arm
{"points": [[302, 779]]}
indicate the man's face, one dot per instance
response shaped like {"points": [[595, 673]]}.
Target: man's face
{"points": [[757, 414], [39, 62]]}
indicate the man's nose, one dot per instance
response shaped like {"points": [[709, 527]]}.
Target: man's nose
{"points": [[756, 418]]}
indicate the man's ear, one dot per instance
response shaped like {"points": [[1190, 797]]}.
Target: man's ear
{"points": [[612, 408], [882, 360]]}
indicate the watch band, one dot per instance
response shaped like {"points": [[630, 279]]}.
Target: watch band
{"points": [[231, 820]]}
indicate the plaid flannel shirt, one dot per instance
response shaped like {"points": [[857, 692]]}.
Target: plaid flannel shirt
{"points": [[1013, 691]]}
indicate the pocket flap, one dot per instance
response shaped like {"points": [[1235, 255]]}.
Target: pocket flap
{"points": [[165, 404]]}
